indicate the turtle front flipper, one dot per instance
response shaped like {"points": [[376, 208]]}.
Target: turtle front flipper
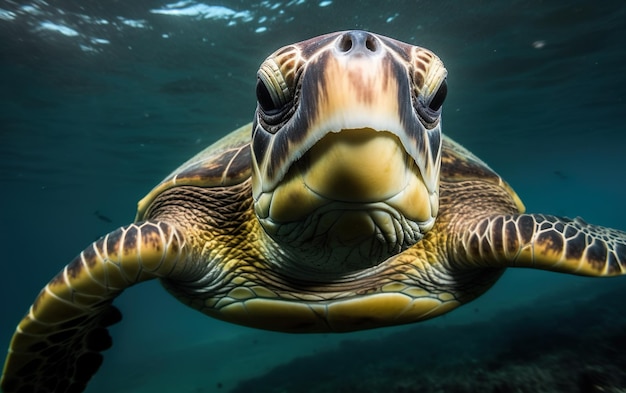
{"points": [[56, 347], [545, 242]]}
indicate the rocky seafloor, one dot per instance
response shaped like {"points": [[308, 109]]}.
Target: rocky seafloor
{"points": [[574, 342]]}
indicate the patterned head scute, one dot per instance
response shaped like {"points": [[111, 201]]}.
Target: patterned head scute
{"points": [[347, 83]]}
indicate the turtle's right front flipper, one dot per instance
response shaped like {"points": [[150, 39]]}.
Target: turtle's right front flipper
{"points": [[56, 347], [545, 242]]}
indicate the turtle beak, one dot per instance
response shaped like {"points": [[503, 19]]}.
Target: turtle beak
{"points": [[358, 165], [354, 166]]}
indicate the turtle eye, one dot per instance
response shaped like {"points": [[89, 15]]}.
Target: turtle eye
{"points": [[440, 96], [271, 88], [266, 100]]}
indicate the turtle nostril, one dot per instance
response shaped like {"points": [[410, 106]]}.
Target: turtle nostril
{"points": [[345, 43], [371, 44]]}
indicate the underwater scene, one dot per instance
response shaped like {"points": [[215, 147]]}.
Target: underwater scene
{"points": [[100, 100]]}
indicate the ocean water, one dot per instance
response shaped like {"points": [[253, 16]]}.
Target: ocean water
{"points": [[102, 99]]}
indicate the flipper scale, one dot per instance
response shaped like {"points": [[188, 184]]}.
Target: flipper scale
{"points": [[546, 242]]}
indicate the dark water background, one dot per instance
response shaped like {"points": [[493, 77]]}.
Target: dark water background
{"points": [[101, 99]]}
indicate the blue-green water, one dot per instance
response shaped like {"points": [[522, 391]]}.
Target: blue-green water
{"points": [[100, 100]]}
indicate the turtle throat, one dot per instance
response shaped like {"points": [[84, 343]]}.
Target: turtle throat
{"points": [[350, 202]]}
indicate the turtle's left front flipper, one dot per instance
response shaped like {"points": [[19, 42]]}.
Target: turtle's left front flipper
{"points": [[56, 347], [544, 242]]}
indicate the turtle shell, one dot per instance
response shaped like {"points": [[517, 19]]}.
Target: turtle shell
{"points": [[459, 164], [222, 164]]}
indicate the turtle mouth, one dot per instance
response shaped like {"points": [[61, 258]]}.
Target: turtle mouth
{"points": [[356, 167]]}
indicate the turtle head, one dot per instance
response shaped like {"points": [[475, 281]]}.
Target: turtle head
{"points": [[346, 148]]}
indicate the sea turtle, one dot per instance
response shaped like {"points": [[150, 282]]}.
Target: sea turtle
{"points": [[341, 207]]}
